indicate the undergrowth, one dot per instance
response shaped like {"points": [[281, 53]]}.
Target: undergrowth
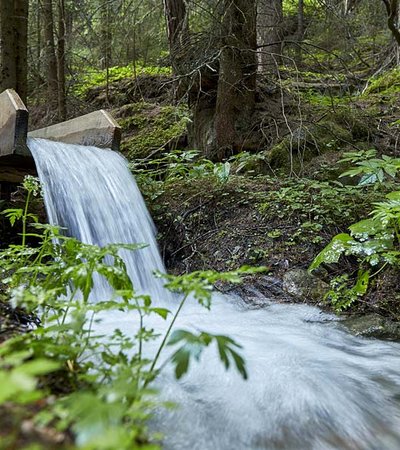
{"points": [[93, 77], [374, 241]]}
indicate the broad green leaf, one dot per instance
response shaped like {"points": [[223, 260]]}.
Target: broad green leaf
{"points": [[361, 285], [332, 252], [369, 178], [366, 227]]}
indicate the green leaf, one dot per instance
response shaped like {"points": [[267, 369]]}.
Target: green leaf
{"points": [[162, 312], [366, 227], [361, 286], [332, 252], [369, 178]]}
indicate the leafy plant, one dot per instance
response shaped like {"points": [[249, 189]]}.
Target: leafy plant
{"points": [[95, 77], [371, 170], [375, 242], [154, 175]]}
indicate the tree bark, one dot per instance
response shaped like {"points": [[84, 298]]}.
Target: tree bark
{"points": [[177, 28], [62, 107], [237, 74], [8, 73], [300, 30], [392, 10], [50, 53], [269, 34], [21, 47], [14, 46]]}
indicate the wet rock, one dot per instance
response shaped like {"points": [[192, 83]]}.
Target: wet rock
{"points": [[304, 285], [373, 325]]}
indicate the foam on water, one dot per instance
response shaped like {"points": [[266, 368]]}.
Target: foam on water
{"points": [[312, 386]]}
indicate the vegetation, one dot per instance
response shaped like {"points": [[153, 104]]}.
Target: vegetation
{"points": [[268, 138]]}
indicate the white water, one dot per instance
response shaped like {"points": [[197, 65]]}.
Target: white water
{"points": [[312, 386], [91, 193]]}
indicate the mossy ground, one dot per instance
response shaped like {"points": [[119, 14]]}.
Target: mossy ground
{"points": [[280, 223], [150, 128]]}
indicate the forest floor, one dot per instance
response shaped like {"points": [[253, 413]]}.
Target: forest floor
{"points": [[276, 207]]}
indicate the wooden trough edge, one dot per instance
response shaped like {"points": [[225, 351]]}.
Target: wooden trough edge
{"points": [[13, 124], [98, 129]]}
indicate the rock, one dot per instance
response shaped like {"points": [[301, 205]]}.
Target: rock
{"points": [[304, 285], [306, 143], [373, 325]]}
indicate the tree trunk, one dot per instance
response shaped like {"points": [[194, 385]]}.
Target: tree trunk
{"points": [[178, 32], [393, 13], [21, 47], [106, 44], [50, 52], [62, 108], [14, 46], [269, 34], [177, 27], [38, 77], [300, 30], [8, 75], [237, 74]]}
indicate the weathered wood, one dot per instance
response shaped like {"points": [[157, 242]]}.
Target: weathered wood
{"points": [[13, 124], [97, 128]]}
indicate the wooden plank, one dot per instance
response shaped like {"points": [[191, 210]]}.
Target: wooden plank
{"points": [[98, 129], [13, 124]]}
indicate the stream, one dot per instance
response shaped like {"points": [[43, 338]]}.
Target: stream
{"points": [[311, 386]]}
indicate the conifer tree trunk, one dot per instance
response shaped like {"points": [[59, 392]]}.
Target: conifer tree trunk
{"points": [[50, 53], [300, 30], [177, 27], [237, 74], [269, 34], [176, 14], [13, 45], [7, 46], [21, 44], [62, 108]]}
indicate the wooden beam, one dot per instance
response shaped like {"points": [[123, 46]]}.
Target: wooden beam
{"points": [[98, 129], [13, 124]]}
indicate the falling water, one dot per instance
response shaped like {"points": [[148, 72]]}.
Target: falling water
{"points": [[91, 193], [312, 386]]}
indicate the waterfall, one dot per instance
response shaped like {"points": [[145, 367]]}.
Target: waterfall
{"points": [[312, 386], [93, 196]]}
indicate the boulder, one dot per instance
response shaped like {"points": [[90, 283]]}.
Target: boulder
{"points": [[304, 285]]}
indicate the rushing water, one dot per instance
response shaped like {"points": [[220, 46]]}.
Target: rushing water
{"points": [[312, 386]]}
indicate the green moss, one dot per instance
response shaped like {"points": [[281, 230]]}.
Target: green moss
{"points": [[151, 127], [387, 83], [94, 78], [307, 142], [354, 120]]}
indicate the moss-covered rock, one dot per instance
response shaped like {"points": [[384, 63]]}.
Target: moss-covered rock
{"points": [[354, 121], [385, 83], [373, 325], [150, 127], [305, 286], [307, 142]]}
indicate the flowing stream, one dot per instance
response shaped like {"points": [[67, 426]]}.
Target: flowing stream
{"points": [[311, 386]]}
